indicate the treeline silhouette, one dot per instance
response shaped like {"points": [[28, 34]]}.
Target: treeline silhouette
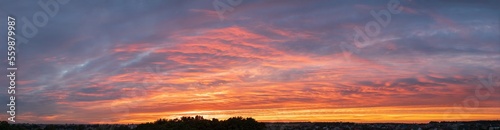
{"points": [[184, 123], [199, 123]]}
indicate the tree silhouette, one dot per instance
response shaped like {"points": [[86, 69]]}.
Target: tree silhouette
{"points": [[199, 123], [4, 125], [184, 123]]}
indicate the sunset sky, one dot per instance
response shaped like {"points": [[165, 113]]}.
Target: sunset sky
{"points": [[140, 60]]}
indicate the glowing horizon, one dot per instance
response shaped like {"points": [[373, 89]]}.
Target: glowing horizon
{"points": [[95, 62]]}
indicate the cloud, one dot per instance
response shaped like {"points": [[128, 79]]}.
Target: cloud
{"points": [[97, 62]]}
